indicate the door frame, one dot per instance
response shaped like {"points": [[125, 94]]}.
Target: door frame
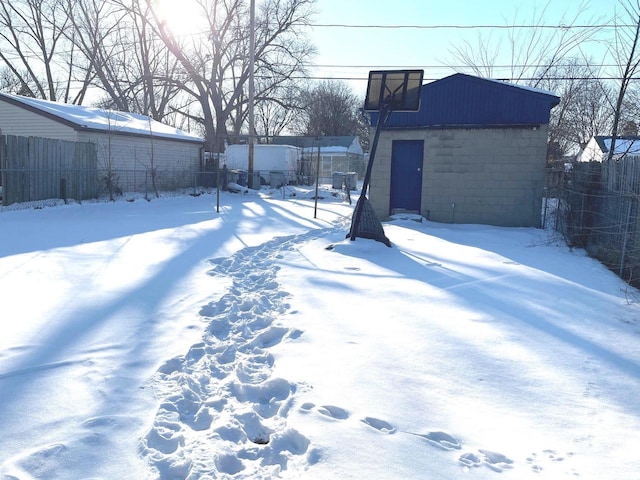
{"points": [[404, 170]]}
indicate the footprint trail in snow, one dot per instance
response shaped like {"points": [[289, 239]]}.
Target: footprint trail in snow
{"points": [[222, 412]]}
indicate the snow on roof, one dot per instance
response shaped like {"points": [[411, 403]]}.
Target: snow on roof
{"points": [[332, 149], [92, 118], [601, 144], [312, 142], [623, 145], [524, 87]]}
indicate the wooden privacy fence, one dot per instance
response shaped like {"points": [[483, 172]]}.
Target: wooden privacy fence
{"points": [[34, 168]]}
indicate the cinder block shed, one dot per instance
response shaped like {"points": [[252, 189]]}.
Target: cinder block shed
{"points": [[474, 153]]}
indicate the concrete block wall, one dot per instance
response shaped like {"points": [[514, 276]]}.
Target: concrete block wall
{"points": [[491, 176]]}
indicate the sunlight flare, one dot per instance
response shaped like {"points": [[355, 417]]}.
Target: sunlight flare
{"points": [[181, 16]]}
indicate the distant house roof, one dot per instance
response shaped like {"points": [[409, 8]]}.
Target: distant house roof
{"points": [[95, 119], [307, 142], [465, 100], [629, 145], [597, 148]]}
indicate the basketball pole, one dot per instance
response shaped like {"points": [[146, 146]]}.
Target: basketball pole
{"points": [[387, 91], [382, 119]]}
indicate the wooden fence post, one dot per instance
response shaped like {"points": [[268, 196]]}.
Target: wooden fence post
{"points": [[3, 153]]}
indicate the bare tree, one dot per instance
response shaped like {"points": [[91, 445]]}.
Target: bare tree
{"points": [[625, 49], [33, 44], [528, 48], [154, 69], [96, 28], [630, 116], [275, 114], [12, 83], [216, 65], [329, 108], [583, 110], [552, 59], [124, 57]]}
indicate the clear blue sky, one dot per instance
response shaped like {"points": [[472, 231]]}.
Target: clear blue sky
{"points": [[430, 49]]}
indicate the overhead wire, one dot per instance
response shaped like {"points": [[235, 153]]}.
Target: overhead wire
{"points": [[469, 27], [322, 76], [562, 26]]}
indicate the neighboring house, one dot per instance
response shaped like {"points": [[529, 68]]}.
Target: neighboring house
{"points": [[128, 144], [475, 152], [597, 149], [276, 165], [338, 153]]}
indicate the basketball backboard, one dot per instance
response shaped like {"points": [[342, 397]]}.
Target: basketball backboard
{"points": [[397, 90]]}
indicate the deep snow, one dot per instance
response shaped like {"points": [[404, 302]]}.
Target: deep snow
{"points": [[164, 340]]}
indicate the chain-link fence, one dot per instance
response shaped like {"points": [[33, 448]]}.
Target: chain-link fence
{"points": [[329, 165], [150, 181], [599, 210], [31, 185], [28, 185]]}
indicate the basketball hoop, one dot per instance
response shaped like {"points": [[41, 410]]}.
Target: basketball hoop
{"points": [[387, 91]]}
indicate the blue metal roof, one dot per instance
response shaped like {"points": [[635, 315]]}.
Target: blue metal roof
{"points": [[464, 100]]}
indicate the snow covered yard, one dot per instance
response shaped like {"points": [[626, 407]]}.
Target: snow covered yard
{"points": [[164, 340]]}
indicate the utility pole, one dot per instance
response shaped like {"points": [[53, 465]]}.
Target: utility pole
{"points": [[252, 60]]}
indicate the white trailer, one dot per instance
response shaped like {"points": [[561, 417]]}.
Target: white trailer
{"points": [[276, 164]]}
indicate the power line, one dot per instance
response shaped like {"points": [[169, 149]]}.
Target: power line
{"points": [[520, 79], [404, 66], [561, 26], [514, 81]]}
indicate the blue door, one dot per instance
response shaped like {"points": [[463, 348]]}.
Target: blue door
{"points": [[406, 175]]}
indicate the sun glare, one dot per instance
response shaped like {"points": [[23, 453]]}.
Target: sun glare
{"points": [[181, 16]]}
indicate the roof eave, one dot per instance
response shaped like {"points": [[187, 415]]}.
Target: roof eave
{"points": [[458, 126], [155, 136], [83, 128]]}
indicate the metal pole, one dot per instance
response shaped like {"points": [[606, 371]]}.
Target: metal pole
{"points": [[624, 238], [218, 184], [315, 208], [252, 59], [382, 119], [546, 203], [214, 156]]}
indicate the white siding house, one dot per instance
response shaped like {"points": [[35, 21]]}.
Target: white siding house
{"points": [[337, 153], [130, 145], [597, 149], [17, 119]]}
